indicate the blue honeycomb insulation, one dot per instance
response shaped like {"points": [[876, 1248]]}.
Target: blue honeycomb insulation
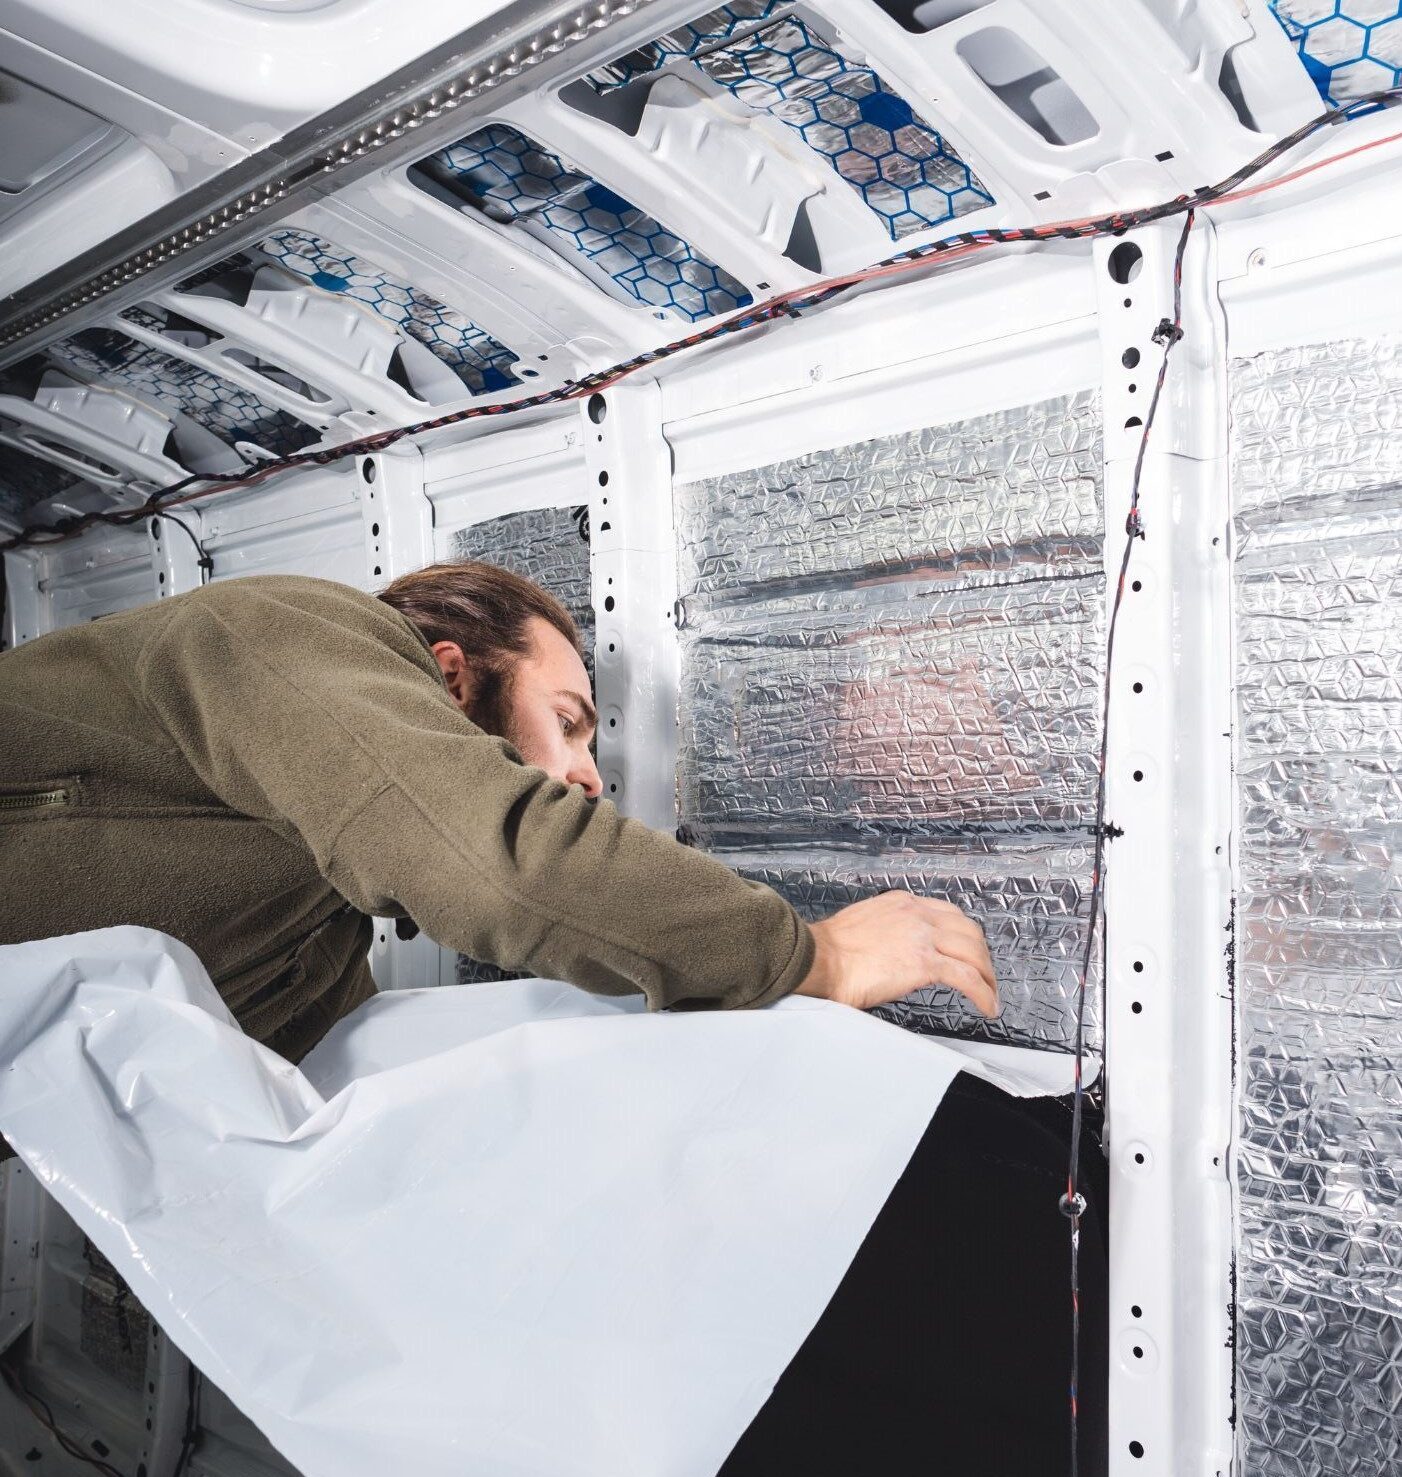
{"points": [[513, 179], [229, 411], [478, 360], [904, 171], [712, 29], [1349, 47]]}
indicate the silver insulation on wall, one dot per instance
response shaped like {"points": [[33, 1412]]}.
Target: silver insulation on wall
{"points": [[1317, 479], [551, 547], [891, 661], [547, 545]]}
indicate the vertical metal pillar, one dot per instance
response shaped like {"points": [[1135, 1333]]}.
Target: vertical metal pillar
{"points": [[175, 555], [396, 513], [633, 568], [27, 613], [397, 521], [1168, 880], [20, 1201]]}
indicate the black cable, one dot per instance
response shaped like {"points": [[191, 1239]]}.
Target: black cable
{"points": [[41, 1411], [788, 305], [1168, 333], [190, 1436], [205, 562]]}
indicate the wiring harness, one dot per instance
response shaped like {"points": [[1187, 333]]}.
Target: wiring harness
{"points": [[785, 305]]}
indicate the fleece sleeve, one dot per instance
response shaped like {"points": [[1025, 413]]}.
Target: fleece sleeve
{"points": [[320, 711]]}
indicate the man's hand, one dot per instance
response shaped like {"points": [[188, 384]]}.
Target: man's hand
{"points": [[881, 949]]}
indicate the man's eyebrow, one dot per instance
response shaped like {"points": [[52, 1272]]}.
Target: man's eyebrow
{"points": [[585, 706]]}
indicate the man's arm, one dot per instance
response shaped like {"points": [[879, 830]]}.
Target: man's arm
{"points": [[321, 712]]}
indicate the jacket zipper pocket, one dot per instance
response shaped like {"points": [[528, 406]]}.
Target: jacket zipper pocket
{"points": [[33, 799]]}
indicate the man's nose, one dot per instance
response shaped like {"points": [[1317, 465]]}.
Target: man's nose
{"points": [[586, 773]]}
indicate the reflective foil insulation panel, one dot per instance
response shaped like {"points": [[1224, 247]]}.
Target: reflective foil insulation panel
{"points": [[547, 545], [891, 665], [1317, 474]]}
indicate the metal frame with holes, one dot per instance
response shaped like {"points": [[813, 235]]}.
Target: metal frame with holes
{"points": [[633, 571], [1168, 889], [19, 1249]]}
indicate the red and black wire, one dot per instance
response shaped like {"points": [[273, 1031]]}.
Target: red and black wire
{"points": [[791, 304]]}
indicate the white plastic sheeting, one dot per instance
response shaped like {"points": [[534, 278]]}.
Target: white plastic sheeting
{"points": [[508, 1229]]}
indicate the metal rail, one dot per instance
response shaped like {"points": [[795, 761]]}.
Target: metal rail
{"points": [[350, 139]]}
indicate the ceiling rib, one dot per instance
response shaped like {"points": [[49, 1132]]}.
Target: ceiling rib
{"points": [[360, 131]]}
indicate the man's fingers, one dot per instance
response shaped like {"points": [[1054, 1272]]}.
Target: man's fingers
{"points": [[963, 977], [900, 941], [972, 951]]}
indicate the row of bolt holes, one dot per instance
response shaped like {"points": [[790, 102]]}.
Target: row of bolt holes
{"points": [[597, 410], [1126, 261], [156, 535], [367, 470]]}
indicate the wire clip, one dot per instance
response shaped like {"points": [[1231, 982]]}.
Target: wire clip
{"points": [[1167, 332], [1073, 1207]]}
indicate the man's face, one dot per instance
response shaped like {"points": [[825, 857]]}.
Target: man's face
{"points": [[545, 710]]}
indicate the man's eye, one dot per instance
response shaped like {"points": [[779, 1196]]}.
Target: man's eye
{"points": [[566, 725]]}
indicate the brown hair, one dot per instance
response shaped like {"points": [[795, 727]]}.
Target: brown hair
{"points": [[485, 610]]}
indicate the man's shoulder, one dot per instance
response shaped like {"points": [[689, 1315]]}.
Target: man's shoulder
{"points": [[281, 604], [283, 589]]}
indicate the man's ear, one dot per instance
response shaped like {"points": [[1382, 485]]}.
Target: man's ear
{"points": [[457, 672]]}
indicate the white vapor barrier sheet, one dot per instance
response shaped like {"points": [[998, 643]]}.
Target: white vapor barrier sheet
{"points": [[509, 1229]]}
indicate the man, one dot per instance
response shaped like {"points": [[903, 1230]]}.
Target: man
{"points": [[258, 766]]}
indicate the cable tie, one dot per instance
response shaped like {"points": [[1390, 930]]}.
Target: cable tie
{"points": [[1134, 525], [1073, 1207], [1167, 332], [1110, 831]]}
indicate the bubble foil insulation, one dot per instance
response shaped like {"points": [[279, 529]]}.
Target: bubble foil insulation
{"points": [[891, 665], [1317, 477], [551, 547]]}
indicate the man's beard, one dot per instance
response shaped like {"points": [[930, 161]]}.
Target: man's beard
{"points": [[490, 708]]}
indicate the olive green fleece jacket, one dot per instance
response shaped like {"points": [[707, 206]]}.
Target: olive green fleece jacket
{"points": [[259, 765]]}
